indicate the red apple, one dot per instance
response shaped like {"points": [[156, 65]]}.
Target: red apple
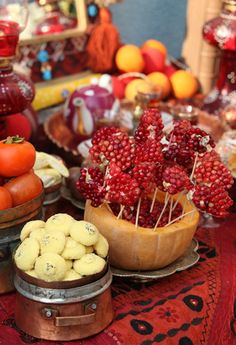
{"points": [[127, 80], [169, 70], [154, 60], [118, 88]]}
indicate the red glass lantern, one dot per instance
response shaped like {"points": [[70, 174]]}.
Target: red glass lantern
{"points": [[16, 91], [221, 32]]}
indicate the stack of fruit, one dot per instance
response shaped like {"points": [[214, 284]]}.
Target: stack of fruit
{"points": [[18, 183], [127, 170], [152, 60], [61, 249]]}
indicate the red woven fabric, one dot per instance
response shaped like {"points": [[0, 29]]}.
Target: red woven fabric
{"points": [[193, 307]]}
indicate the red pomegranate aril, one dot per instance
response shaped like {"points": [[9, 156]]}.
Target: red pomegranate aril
{"points": [[144, 174], [149, 151], [150, 126], [175, 180], [213, 199], [213, 171], [112, 145]]}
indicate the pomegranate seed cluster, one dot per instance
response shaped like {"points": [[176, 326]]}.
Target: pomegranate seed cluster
{"points": [[112, 145], [128, 171], [175, 180], [213, 172], [184, 142], [212, 199], [149, 151], [121, 188], [90, 185], [145, 175], [150, 126]]}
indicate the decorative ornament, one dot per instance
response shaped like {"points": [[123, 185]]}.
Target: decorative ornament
{"points": [[103, 43], [92, 11], [46, 68]]}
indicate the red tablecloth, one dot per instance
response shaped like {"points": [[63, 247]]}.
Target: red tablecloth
{"points": [[196, 306]]}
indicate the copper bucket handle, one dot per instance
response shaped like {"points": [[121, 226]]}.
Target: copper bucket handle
{"points": [[75, 320], [62, 321]]}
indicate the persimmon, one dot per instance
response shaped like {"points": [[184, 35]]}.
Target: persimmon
{"points": [[5, 199], [17, 156], [24, 188]]}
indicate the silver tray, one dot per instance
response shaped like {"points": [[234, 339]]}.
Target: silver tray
{"points": [[189, 259], [66, 194]]}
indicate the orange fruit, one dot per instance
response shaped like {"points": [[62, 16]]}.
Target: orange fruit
{"points": [[129, 58], [156, 45], [184, 84], [160, 80], [134, 86]]}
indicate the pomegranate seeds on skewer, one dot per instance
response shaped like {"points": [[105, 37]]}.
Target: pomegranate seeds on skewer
{"points": [[210, 156], [122, 189], [103, 134], [91, 185], [112, 145], [185, 143], [180, 154], [175, 179], [149, 151], [212, 199], [145, 175], [178, 132], [213, 172], [195, 139], [150, 126], [198, 140]]}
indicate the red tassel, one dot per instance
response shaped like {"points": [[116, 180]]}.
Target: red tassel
{"points": [[103, 43]]}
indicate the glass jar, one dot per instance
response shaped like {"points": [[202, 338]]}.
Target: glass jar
{"points": [[185, 112], [148, 99]]}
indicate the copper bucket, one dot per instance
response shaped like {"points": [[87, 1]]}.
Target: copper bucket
{"points": [[63, 311], [11, 222]]}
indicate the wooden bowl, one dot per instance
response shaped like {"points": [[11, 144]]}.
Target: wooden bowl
{"points": [[142, 249], [20, 214]]}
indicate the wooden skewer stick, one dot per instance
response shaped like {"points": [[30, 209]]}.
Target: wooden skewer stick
{"points": [[122, 207], [153, 200], [171, 208], [182, 215], [163, 210], [137, 214], [108, 206], [194, 166], [185, 202], [177, 200]]}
